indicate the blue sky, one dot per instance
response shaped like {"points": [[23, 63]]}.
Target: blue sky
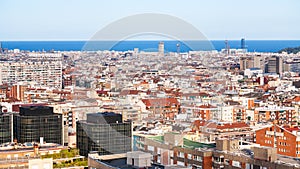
{"points": [[216, 19]]}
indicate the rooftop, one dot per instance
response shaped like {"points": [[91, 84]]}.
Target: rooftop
{"points": [[36, 110], [186, 143], [119, 161]]}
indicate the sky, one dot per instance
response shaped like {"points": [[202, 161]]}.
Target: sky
{"points": [[216, 19]]}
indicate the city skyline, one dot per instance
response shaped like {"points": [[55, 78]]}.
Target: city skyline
{"points": [[55, 20], [150, 84]]}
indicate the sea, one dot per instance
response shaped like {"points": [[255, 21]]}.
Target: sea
{"points": [[148, 45]]}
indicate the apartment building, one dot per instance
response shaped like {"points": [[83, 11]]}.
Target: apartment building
{"points": [[164, 107], [281, 115], [225, 153], [285, 140], [37, 69]]}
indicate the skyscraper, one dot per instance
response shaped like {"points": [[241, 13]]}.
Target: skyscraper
{"points": [[104, 133], [243, 44], [259, 62], [178, 48], [274, 65], [161, 48]]}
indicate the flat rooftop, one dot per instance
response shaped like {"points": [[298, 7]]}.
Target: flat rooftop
{"points": [[186, 143], [118, 161], [107, 157]]}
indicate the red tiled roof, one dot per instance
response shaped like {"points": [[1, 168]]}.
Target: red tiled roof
{"points": [[297, 99], [232, 125], [206, 106], [198, 123], [292, 129], [129, 92], [144, 82], [227, 125], [160, 102], [102, 92]]}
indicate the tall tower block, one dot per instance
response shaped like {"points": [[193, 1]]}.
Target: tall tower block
{"points": [[227, 47], [243, 44], [161, 48], [178, 48]]}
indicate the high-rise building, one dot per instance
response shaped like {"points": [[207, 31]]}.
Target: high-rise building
{"points": [[227, 47], [39, 68], [104, 133], [5, 128], [17, 91], [274, 65], [36, 122], [246, 62], [292, 66], [243, 44], [259, 62], [178, 48], [161, 48]]}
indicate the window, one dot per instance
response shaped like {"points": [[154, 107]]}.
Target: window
{"points": [[181, 154]]}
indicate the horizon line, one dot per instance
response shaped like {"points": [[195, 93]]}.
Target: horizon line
{"points": [[86, 40]]}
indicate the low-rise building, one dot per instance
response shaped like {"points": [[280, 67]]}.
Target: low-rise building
{"points": [[285, 140]]}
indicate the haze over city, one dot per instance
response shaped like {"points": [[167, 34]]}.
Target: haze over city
{"points": [[217, 20]]}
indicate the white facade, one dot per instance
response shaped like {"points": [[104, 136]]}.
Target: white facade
{"points": [[161, 48], [227, 113], [40, 72], [253, 71]]}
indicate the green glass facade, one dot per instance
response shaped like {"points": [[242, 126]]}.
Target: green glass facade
{"points": [[109, 138], [5, 128], [30, 127]]}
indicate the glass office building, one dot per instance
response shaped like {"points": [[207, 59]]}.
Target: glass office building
{"points": [[35, 122], [104, 133], [5, 128]]}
